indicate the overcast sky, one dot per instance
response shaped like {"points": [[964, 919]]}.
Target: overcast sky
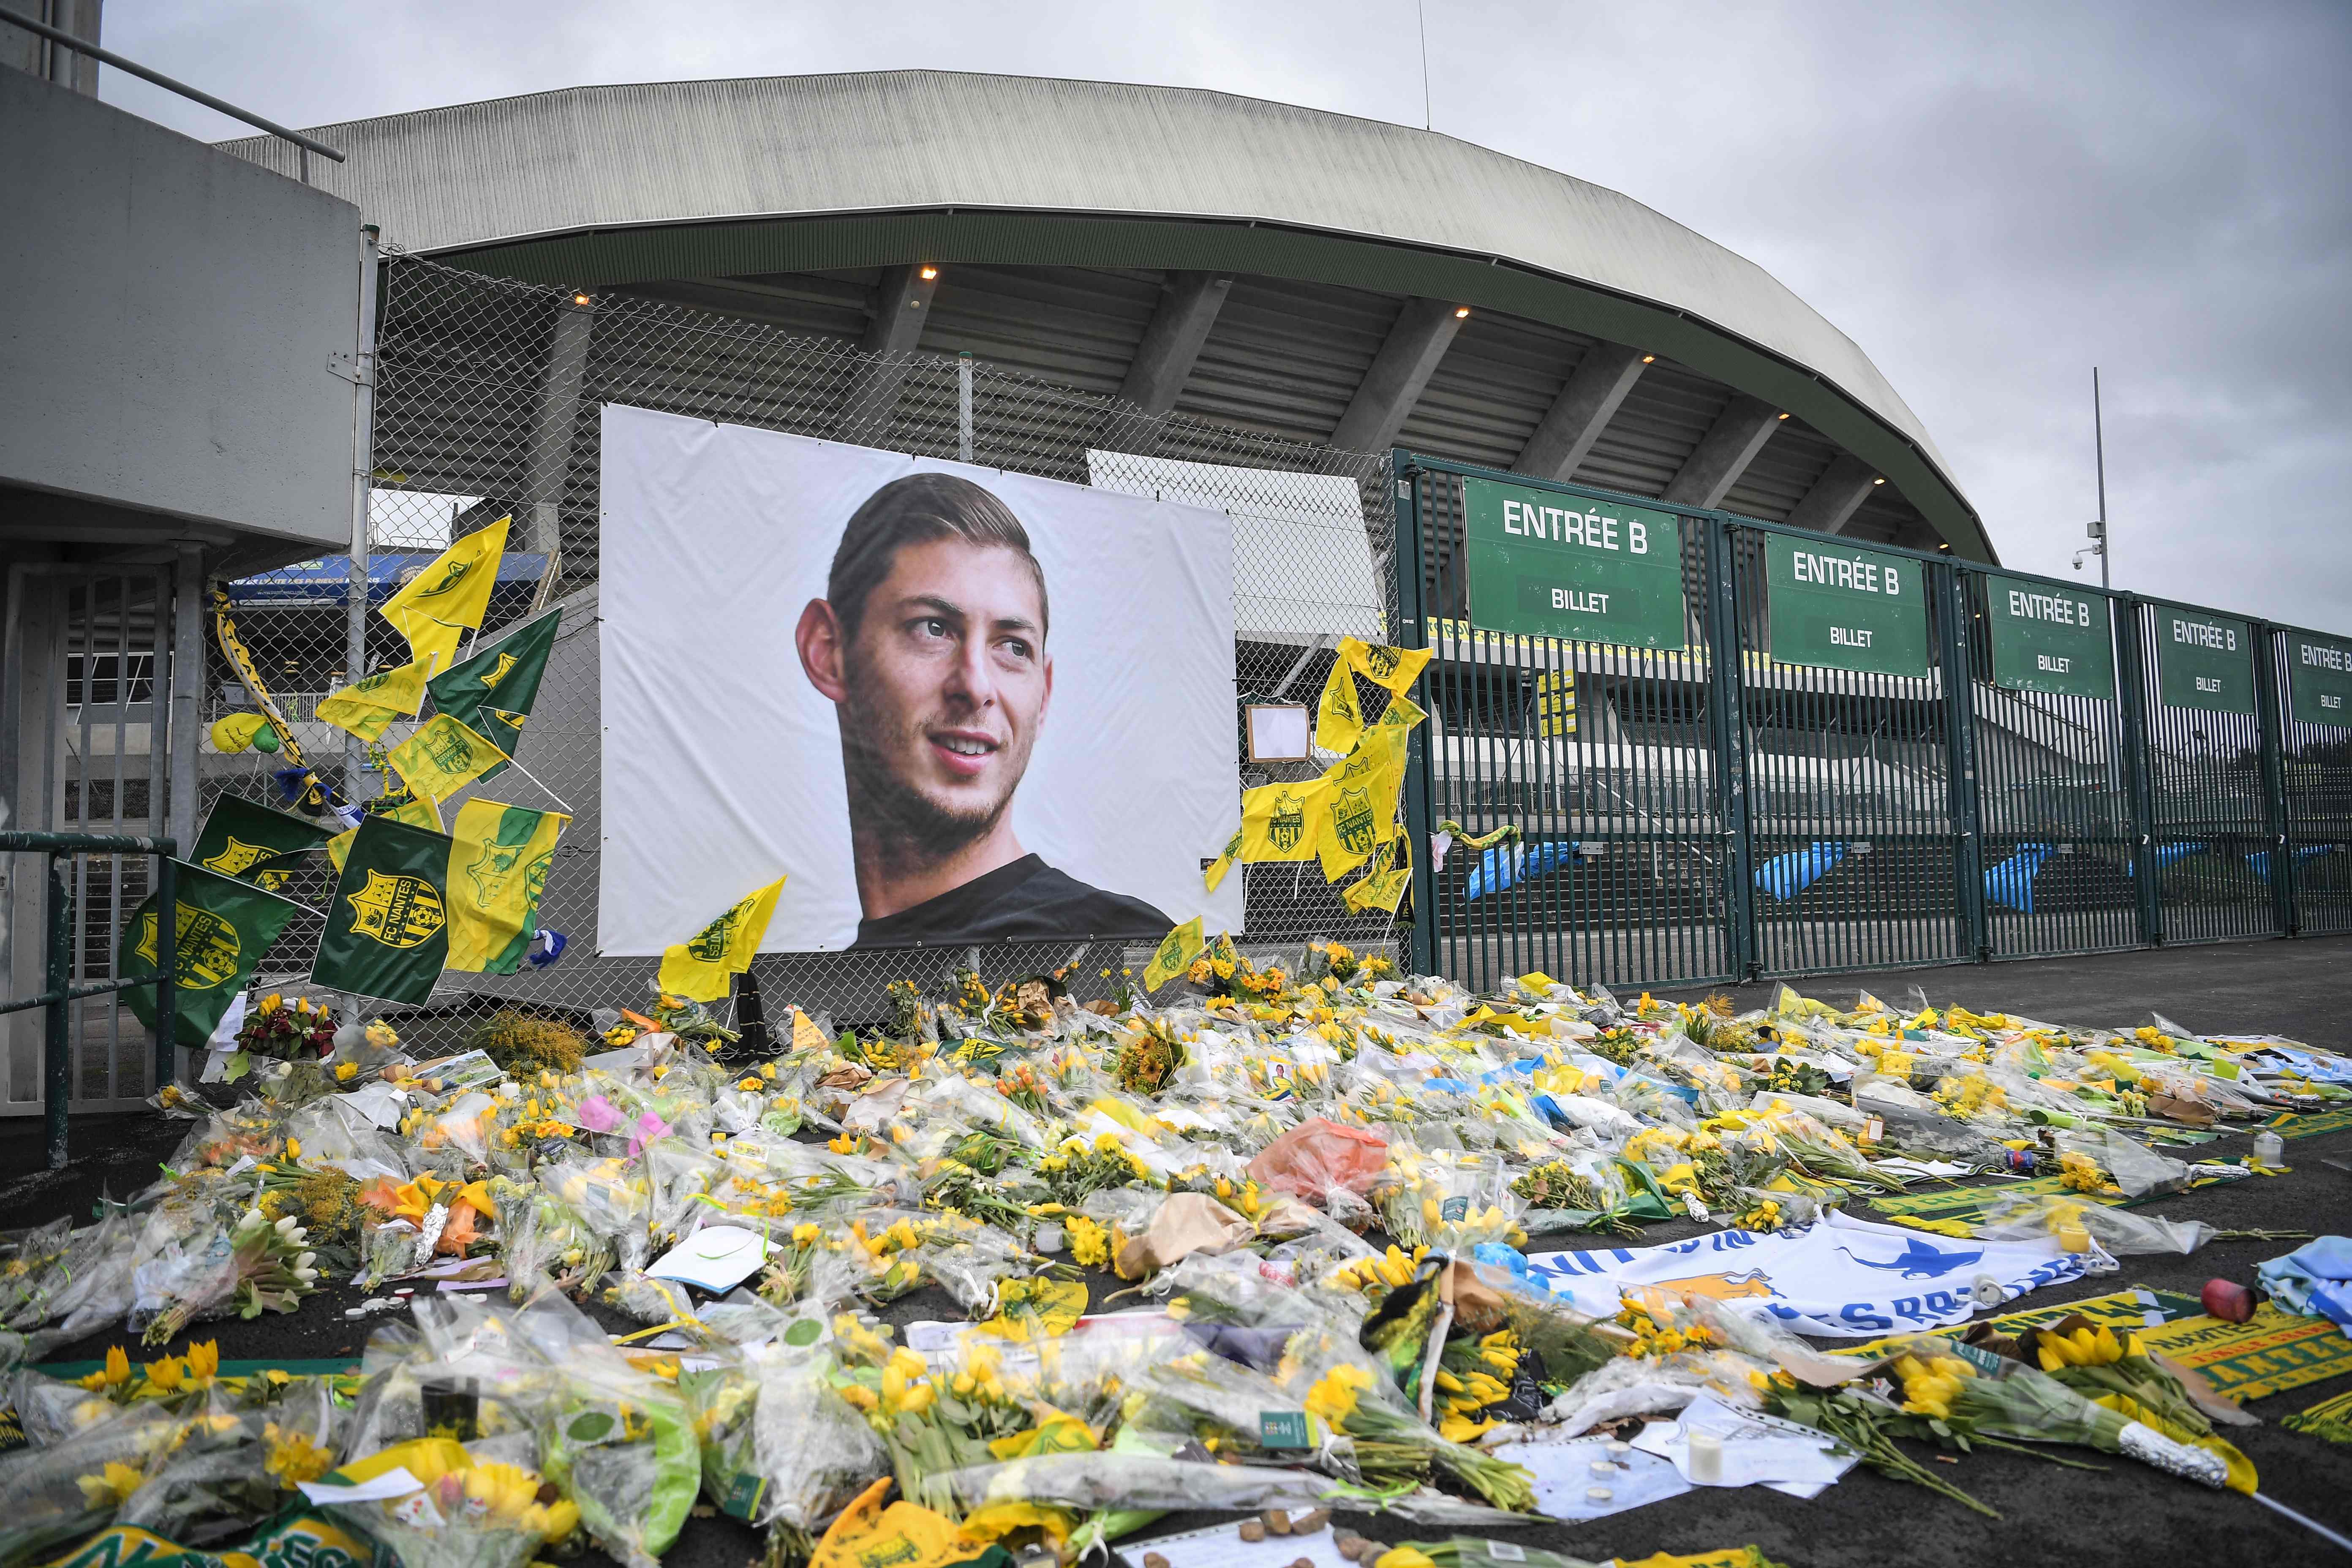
{"points": [[1989, 199]]}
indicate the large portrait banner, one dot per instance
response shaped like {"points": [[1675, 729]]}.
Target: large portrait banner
{"points": [[951, 705]]}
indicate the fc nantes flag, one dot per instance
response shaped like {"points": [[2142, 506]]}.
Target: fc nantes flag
{"points": [[443, 757], [388, 924], [441, 603], [498, 858], [1177, 950], [1363, 794], [368, 706], [1339, 717], [221, 927], [241, 838], [493, 691], [698, 968], [1394, 667], [1382, 884]]}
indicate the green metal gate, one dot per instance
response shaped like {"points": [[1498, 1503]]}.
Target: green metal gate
{"points": [[1685, 818], [2316, 778], [1605, 758]]}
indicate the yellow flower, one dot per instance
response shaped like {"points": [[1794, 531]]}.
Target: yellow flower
{"points": [[1404, 1557], [111, 1488], [293, 1457], [203, 1364], [116, 1373], [346, 1071], [167, 1375]]}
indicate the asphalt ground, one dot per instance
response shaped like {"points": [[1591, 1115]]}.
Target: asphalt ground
{"points": [[2125, 1513]]}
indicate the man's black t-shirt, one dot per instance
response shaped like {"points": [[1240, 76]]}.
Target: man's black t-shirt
{"points": [[1023, 902]]}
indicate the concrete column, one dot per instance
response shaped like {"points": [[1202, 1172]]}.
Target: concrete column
{"points": [[1581, 412], [186, 711], [901, 304], [1188, 303], [554, 422], [1423, 331], [1723, 453], [1831, 504]]}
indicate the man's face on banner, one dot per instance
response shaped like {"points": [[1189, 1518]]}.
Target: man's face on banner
{"points": [[945, 685]]}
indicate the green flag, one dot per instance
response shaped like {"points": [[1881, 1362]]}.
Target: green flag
{"points": [[491, 693], [221, 927], [241, 838], [387, 931]]}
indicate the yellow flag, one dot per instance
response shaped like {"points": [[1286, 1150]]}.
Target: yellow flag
{"points": [[417, 811], [443, 757], [339, 848], [1278, 822], [1339, 717], [1382, 884], [1223, 862], [1394, 667], [441, 603], [1177, 950], [359, 716], [699, 968], [1362, 793], [1401, 714], [499, 858]]}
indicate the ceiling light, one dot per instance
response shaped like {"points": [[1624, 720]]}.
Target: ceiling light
{"points": [[1879, 480], [1943, 544], [1460, 311], [929, 273], [581, 300], [1649, 359], [1784, 416]]}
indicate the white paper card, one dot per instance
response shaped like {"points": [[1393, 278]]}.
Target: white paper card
{"points": [[1757, 1449], [717, 1258], [394, 1482], [1565, 1477], [1218, 1546]]}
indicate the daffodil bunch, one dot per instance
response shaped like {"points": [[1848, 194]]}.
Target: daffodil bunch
{"points": [[2079, 1173], [467, 1515], [1929, 1386], [1376, 1276]]}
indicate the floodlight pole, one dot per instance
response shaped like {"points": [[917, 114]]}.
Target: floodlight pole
{"points": [[2099, 449]]}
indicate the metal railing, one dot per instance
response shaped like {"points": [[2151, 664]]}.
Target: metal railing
{"points": [[57, 1066]]}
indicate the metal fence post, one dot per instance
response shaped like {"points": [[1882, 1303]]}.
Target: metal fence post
{"points": [[167, 970], [2267, 709], [2131, 682], [965, 443], [1961, 771], [1730, 725], [1412, 631], [56, 1053]]}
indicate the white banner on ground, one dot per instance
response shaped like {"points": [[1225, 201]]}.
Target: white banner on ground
{"points": [[1837, 1278]]}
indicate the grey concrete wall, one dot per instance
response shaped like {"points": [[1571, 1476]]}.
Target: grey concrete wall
{"points": [[167, 317]]}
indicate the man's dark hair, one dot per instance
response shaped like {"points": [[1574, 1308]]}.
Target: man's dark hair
{"points": [[918, 509]]}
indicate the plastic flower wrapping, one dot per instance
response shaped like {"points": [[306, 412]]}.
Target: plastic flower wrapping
{"points": [[1258, 1241]]}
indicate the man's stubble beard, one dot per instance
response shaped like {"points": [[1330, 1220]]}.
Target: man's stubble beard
{"points": [[907, 827]]}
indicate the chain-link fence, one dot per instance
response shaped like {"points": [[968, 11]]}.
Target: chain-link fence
{"points": [[486, 402]]}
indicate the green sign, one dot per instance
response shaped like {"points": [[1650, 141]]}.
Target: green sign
{"points": [[2204, 661], [1546, 565], [2320, 679], [2049, 639], [1843, 607]]}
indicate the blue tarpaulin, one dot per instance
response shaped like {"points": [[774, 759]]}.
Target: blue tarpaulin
{"points": [[2011, 883], [2261, 859], [1786, 876], [325, 582], [2166, 854], [1506, 865]]}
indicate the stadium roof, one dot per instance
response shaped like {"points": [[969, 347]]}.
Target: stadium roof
{"points": [[748, 178]]}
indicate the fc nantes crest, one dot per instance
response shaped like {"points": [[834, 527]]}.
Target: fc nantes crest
{"points": [[1352, 818], [398, 911], [1286, 825], [238, 856], [453, 572], [206, 946]]}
